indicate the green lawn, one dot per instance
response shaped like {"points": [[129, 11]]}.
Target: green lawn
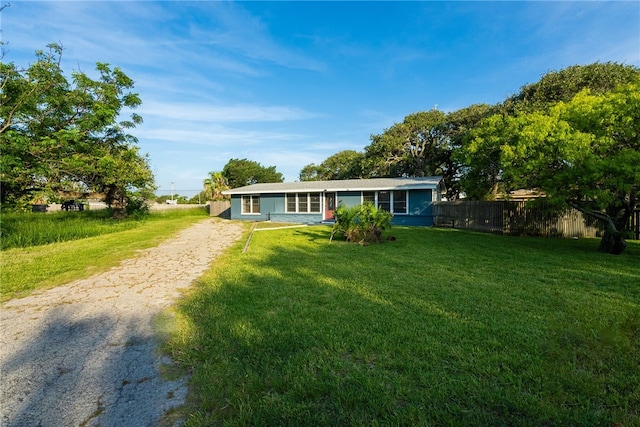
{"points": [[441, 327]]}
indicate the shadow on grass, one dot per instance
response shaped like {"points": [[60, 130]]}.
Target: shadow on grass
{"points": [[437, 328]]}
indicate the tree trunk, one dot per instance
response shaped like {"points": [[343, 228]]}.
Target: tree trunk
{"points": [[613, 239], [612, 242]]}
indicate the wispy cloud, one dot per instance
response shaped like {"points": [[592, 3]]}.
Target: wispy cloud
{"points": [[291, 83], [223, 113]]}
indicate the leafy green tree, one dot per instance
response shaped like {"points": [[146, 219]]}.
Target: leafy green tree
{"points": [[563, 85], [241, 172], [480, 154], [415, 147], [346, 164], [198, 199], [55, 133], [481, 171], [215, 185], [457, 126], [584, 153], [422, 145]]}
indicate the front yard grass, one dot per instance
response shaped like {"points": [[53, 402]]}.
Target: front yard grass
{"points": [[440, 327]]}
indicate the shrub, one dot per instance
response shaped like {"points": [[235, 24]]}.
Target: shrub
{"points": [[363, 224]]}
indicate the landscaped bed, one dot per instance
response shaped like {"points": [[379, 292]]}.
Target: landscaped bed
{"points": [[439, 327]]}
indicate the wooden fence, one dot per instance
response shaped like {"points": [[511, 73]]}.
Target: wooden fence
{"points": [[520, 218], [515, 218], [634, 225], [220, 208]]}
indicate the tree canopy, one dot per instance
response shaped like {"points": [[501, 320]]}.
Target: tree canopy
{"points": [[415, 147], [241, 172], [584, 153], [215, 185], [58, 135], [563, 85], [346, 164]]}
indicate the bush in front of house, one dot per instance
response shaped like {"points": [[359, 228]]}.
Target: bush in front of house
{"points": [[362, 224]]}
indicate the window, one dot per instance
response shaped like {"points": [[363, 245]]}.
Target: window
{"points": [[315, 202], [251, 205], [369, 197], [303, 203], [400, 202], [291, 202], [384, 200], [392, 201]]}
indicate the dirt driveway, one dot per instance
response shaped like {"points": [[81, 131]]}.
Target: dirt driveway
{"points": [[84, 354]]}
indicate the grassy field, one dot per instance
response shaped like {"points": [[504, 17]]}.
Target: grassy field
{"points": [[71, 245], [440, 327]]}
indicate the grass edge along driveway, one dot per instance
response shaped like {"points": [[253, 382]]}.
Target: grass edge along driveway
{"points": [[40, 267], [440, 327]]}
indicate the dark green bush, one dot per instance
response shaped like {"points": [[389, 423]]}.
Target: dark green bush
{"points": [[363, 224]]}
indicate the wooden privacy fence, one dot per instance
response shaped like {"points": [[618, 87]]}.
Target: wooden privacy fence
{"points": [[515, 218], [220, 208], [634, 225]]}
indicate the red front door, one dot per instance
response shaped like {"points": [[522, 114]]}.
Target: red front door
{"points": [[329, 205]]}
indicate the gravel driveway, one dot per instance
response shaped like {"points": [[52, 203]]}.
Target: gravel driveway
{"points": [[84, 354]]}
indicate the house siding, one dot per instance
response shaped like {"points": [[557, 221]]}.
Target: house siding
{"points": [[268, 203], [273, 207], [299, 218]]}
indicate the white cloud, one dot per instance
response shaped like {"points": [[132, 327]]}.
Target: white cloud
{"points": [[193, 112]]}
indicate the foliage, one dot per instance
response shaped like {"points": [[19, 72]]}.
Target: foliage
{"points": [[215, 185], [241, 172], [563, 85], [415, 147], [482, 171], [434, 143], [346, 164], [424, 145], [441, 328], [137, 206], [585, 152], [198, 199], [363, 223], [58, 135], [44, 250]]}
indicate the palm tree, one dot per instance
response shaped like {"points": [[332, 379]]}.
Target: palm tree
{"points": [[215, 185]]}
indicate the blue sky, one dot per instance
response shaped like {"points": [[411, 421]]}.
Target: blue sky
{"points": [[291, 83]]}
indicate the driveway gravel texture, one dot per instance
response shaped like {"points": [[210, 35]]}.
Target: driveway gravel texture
{"points": [[86, 354]]}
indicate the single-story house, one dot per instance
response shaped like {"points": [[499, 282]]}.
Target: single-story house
{"points": [[307, 202]]}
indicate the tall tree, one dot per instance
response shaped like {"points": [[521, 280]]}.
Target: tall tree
{"points": [[415, 147], [563, 85], [457, 126], [215, 185], [241, 172], [482, 168], [422, 145], [55, 133], [584, 153], [346, 164]]}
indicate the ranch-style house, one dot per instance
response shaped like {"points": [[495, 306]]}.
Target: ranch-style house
{"points": [[308, 202]]}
